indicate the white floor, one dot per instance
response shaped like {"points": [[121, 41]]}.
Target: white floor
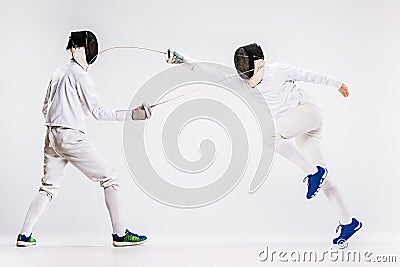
{"points": [[174, 255]]}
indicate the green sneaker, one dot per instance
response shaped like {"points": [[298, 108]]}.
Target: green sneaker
{"points": [[25, 241], [129, 239]]}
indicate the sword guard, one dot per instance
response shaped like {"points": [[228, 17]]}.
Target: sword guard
{"points": [[147, 110]]}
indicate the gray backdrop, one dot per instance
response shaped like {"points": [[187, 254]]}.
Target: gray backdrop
{"points": [[354, 41]]}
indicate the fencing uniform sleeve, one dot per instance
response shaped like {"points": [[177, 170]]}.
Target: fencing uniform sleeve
{"points": [[46, 101], [91, 101], [299, 74]]}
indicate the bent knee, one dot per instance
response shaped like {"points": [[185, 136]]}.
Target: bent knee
{"points": [[110, 181], [47, 193]]}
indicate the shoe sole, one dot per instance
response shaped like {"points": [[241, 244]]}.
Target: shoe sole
{"points": [[25, 244], [320, 183], [127, 244]]}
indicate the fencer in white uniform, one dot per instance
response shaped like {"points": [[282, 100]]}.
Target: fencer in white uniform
{"points": [[297, 118], [69, 101]]}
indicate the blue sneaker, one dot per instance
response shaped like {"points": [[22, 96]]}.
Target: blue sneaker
{"points": [[25, 241], [347, 231], [129, 239], [314, 181]]}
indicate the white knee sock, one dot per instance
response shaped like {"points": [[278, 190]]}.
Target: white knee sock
{"points": [[36, 209], [111, 195], [289, 150], [335, 198]]}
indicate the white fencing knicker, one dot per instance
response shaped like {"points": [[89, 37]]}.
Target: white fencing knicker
{"points": [[63, 145], [298, 134]]}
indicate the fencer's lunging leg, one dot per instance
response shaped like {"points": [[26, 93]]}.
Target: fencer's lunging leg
{"points": [[334, 197], [83, 154], [113, 203]]}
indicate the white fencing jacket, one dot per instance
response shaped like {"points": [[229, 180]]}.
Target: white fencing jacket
{"points": [[280, 91], [71, 99]]}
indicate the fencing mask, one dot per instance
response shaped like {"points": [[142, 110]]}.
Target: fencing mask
{"points": [[249, 63], [83, 41]]}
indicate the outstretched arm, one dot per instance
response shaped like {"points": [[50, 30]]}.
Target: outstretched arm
{"points": [[299, 74], [91, 100]]}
